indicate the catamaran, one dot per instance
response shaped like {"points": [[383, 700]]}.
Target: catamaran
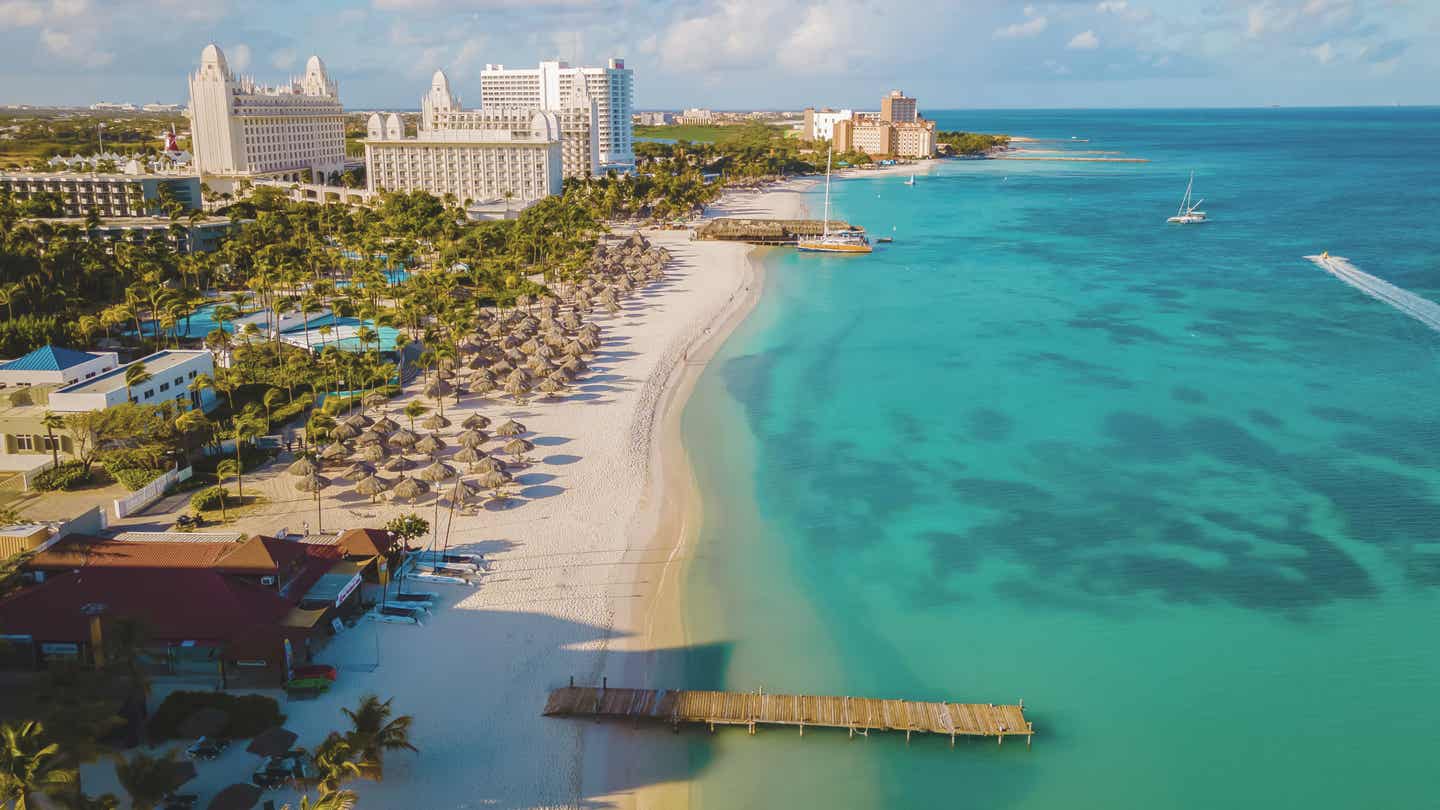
{"points": [[839, 241], [1189, 213]]}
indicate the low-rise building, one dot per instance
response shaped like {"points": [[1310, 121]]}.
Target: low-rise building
{"points": [[55, 365], [181, 236], [695, 116], [898, 108], [171, 371], [654, 118], [106, 195], [819, 125]]}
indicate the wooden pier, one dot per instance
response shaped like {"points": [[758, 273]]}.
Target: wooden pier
{"points": [[767, 231], [753, 709]]}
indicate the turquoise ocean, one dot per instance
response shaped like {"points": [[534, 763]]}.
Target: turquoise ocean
{"points": [[1177, 488]]}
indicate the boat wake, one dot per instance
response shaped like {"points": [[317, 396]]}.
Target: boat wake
{"points": [[1421, 309]]}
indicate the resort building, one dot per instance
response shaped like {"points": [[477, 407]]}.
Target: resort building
{"points": [[556, 85], [441, 111], [915, 140], [866, 135], [898, 108], [819, 125], [695, 116], [654, 119], [105, 195], [506, 161], [171, 372], [244, 129], [180, 236], [54, 365]]}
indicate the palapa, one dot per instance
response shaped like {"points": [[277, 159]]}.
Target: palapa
{"points": [[472, 438], [403, 438], [399, 464], [372, 486], [409, 489], [510, 429], [302, 466], [334, 450], [475, 421], [489, 464], [439, 388], [438, 471], [312, 483], [358, 470], [374, 453], [430, 445], [435, 422], [384, 425], [517, 447], [469, 455], [343, 431]]}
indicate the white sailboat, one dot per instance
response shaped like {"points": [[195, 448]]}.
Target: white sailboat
{"points": [[911, 181], [1189, 213], [839, 241]]}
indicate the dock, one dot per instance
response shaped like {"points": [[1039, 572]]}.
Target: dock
{"points": [[767, 231], [858, 715]]}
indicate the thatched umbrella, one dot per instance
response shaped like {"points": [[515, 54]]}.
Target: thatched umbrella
{"points": [[399, 464], [359, 421], [239, 796], [439, 388], [517, 389], [430, 445], [368, 438], [482, 387], [517, 448], [473, 437], [500, 367], [204, 723], [403, 438], [549, 388], [272, 742], [334, 450], [385, 425], [374, 453], [438, 471], [464, 490], [510, 429], [375, 399], [469, 455], [372, 486], [435, 422], [489, 464], [302, 466], [496, 480], [343, 431], [358, 470], [476, 421], [314, 482], [574, 365], [409, 489]]}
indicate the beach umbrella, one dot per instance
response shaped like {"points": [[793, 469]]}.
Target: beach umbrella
{"points": [[369, 438], [403, 438], [384, 425], [375, 399], [573, 348], [180, 773], [469, 455], [494, 479], [334, 450], [529, 346], [517, 447], [272, 742], [239, 796], [357, 420], [358, 470], [207, 722], [302, 466], [410, 488], [510, 429], [371, 486], [435, 422], [517, 389], [500, 367], [399, 464], [444, 374], [343, 431], [489, 464], [315, 482], [482, 387], [574, 365], [549, 388], [438, 388], [438, 471], [430, 445], [475, 421], [472, 438], [374, 453], [546, 351]]}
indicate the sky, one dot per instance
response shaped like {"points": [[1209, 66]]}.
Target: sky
{"points": [[751, 54]]}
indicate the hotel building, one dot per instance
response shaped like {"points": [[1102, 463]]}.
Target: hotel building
{"points": [[898, 108], [509, 161], [441, 111], [820, 124], [243, 129], [108, 195], [555, 85]]}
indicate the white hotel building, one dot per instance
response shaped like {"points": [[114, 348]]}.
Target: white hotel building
{"points": [[557, 85], [243, 129]]}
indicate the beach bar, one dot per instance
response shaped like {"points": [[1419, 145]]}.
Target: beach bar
{"points": [[759, 708]]}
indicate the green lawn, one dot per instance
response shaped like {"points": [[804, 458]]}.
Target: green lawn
{"points": [[695, 133]]}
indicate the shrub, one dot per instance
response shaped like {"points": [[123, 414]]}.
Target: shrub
{"points": [[68, 475], [208, 500], [249, 714], [134, 477], [132, 467]]}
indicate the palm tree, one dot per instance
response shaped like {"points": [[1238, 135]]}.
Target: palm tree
{"points": [[147, 779], [334, 762], [374, 733], [413, 409], [271, 399], [8, 294], [29, 765], [135, 374], [51, 421], [339, 800], [200, 384], [224, 471]]}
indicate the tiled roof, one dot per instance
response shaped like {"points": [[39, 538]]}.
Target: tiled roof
{"points": [[83, 551], [366, 542], [48, 358]]}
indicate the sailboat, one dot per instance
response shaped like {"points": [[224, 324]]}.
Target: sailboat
{"points": [[839, 241], [1189, 213], [911, 181]]}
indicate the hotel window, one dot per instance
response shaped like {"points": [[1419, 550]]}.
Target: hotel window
{"points": [[24, 442]]}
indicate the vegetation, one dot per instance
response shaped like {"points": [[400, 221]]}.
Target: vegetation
{"points": [[70, 475], [147, 779], [970, 143], [34, 136], [30, 764], [249, 714], [373, 732], [408, 527], [208, 499]]}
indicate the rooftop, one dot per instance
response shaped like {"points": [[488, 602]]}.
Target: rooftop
{"points": [[157, 364], [49, 358]]}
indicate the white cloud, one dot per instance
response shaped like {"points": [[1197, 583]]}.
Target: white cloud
{"points": [[238, 56], [1112, 6], [1324, 53], [20, 14], [283, 59], [1084, 41], [69, 8], [1029, 28]]}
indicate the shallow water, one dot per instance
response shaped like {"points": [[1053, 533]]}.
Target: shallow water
{"points": [[1173, 486]]}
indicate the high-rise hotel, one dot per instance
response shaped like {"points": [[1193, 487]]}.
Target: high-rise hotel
{"points": [[243, 129], [557, 86]]}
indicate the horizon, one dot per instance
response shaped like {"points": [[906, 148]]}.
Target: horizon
{"points": [[1108, 54]]}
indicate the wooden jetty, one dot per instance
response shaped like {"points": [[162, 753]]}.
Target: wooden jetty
{"points": [[752, 709], [767, 231]]}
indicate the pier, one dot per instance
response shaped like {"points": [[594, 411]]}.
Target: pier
{"points": [[754, 709], [767, 231]]}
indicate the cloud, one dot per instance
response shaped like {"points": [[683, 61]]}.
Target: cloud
{"points": [[20, 14], [1084, 41], [238, 56], [283, 59], [1324, 53], [1020, 30], [1111, 6]]}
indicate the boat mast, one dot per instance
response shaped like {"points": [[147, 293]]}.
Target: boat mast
{"points": [[1185, 203], [828, 156]]}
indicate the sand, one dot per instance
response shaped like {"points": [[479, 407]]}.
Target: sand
{"points": [[583, 571]]}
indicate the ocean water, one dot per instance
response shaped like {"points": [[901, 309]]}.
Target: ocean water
{"points": [[1177, 488]]}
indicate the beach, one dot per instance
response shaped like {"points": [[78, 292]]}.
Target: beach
{"points": [[582, 577]]}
